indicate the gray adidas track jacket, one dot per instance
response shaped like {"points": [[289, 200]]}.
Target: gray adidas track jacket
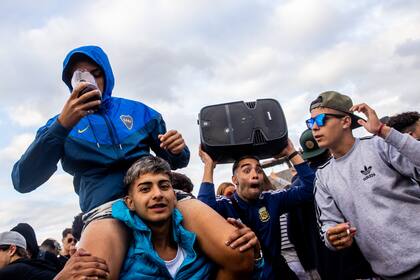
{"points": [[374, 188]]}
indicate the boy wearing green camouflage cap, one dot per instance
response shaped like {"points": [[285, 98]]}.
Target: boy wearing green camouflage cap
{"points": [[368, 190]]}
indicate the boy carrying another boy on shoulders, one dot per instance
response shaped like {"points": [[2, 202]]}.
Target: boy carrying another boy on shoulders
{"points": [[162, 248]]}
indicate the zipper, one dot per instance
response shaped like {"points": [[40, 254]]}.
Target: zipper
{"points": [[111, 134]]}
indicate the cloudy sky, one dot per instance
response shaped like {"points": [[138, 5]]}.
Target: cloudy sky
{"points": [[178, 56]]}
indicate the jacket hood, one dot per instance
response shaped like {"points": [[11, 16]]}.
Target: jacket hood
{"points": [[97, 55], [28, 232]]}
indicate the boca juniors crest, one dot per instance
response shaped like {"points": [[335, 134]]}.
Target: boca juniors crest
{"points": [[127, 120], [264, 216]]}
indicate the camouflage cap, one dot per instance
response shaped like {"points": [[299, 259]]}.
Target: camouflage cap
{"points": [[309, 145], [337, 101]]}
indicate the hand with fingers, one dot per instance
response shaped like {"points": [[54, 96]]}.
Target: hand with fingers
{"points": [[341, 235], [205, 158], [244, 238], [289, 149], [83, 266], [79, 106], [372, 124], [290, 152], [172, 141]]}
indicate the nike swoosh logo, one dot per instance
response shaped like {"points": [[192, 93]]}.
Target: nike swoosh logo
{"points": [[82, 130]]}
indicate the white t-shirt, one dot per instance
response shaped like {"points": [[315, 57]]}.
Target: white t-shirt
{"points": [[175, 264]]}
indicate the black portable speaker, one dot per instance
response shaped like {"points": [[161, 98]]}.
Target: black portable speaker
{"points": [[231, 130]]}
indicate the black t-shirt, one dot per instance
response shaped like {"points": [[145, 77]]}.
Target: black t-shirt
{"points": [[27, 269]]}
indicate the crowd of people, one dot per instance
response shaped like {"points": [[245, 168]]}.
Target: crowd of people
{"points": [[349, 212]]}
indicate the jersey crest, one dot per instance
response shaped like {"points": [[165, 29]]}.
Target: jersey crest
{"points": [[263, 213]]}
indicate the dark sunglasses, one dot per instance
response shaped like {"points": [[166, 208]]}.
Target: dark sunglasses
{"points": [[71, 240], [320, 119]]}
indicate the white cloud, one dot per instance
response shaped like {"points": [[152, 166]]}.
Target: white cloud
{"points": [[178, 56], [17, 146], [26, 116]]}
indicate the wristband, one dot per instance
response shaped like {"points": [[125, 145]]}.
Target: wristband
{"points": [[292, 155], [380, 129], [259, 257]]}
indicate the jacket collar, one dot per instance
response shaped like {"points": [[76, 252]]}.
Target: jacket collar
{"points": [[181, 236]]}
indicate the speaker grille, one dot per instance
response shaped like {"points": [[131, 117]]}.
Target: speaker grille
{"points": [[251, 105], [259, 137]]}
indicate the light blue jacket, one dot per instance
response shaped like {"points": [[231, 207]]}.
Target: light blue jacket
{"points": [[142, 261]]}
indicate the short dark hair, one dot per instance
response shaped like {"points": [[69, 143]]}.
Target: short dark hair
{"points": [[236, 163], [182, 182], [21, 252], [403, 121], [77, 226], [50, 244], [66, 231], [145, 165]]}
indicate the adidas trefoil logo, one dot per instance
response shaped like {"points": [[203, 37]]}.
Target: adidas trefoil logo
{"points": [[367, 171]]}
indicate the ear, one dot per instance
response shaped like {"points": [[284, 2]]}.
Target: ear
{"points": [[235, 180], [12, 250], [346, 122], [129, 202]]}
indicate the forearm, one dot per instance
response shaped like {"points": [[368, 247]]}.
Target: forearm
{"points": [[297, 159], [212, 232], [306, 176], [405, 144], [208, 173], [207, 195], [180, 160]]}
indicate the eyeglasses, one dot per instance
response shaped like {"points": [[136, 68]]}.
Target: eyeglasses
{"points": [[71, 240], [320, 119]]}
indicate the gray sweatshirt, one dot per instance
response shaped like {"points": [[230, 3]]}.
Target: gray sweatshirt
{"points": [[374, 188]]}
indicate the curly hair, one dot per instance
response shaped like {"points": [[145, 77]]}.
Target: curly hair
{"points": [[404, 121]]}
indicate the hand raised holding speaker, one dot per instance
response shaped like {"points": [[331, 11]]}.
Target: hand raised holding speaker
{"points": [[290, 152]]}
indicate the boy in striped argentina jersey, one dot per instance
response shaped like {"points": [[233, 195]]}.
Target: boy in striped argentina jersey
{"points": [[369, 190], [258, 209]]}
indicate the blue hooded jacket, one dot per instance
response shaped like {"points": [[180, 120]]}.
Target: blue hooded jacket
{"points": [[100, 148], [142, 261]]}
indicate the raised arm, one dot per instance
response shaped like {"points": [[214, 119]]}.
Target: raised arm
{"points": [[40, 160], [169, 145], [302, 189], [402, 151], [206, 193]]}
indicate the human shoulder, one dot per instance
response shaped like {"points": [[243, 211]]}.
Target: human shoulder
{"points": [[325, 165], [130, 102], [322, 172], [223, 199], [15, 270], [123, 107], [369, 137], [269, 193]]}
